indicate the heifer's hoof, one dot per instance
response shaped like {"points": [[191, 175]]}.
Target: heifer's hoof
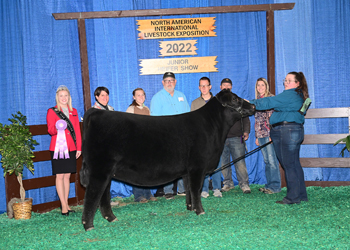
{"points": [[111, 219], [89, 229], [199, 212], [189, 207], [86, 227]]}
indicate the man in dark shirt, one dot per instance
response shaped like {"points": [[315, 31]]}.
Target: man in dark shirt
{"points": [[235, 145]]}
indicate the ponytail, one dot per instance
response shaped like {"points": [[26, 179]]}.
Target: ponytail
{"points": [[302, 89]]}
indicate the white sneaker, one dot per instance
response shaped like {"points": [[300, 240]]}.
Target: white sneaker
{"points": [[226, 188], [205, 194], [217, 193]]}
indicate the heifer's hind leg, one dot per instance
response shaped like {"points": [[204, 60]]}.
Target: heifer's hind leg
{"points": [[93, 194], [105, 205]]}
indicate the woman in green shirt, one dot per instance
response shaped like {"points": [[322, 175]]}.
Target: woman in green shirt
{"points": [[287, 132]]}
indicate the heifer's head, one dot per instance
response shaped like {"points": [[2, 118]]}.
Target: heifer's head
{"points": [[233, 102]]}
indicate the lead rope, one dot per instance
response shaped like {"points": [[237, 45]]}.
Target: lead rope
{"points": [[240, 158]]}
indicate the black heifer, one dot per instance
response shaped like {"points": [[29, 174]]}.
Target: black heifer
{"points": [[154, 150]]}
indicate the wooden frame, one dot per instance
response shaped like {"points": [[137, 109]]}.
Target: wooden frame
{"points": [[81, 16]]}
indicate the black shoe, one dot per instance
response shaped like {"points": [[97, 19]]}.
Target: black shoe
{"points": [[66, 214], [284, 203], [169, 196], [159, 193], [281, 202], [71, 211], [181, 194]]}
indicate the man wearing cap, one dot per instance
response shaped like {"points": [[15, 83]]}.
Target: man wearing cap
{"points": [[169, 101], [206, 95], [235, 145]]}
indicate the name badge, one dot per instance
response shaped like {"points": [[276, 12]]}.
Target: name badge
{"points": [[181, 99]]}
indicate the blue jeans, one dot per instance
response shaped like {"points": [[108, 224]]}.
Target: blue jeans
{"points": [[272, 170], [168, 189], [140, 193], [236, 148], [216, 178], [287, 139]]}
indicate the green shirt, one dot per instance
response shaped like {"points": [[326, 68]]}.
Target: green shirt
{"points": [[286, 106]]}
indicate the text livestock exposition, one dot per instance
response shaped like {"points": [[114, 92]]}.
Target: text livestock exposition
{"points": [[176, 28]]}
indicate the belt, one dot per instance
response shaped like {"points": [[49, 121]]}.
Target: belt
{"points": [[282, 123]]}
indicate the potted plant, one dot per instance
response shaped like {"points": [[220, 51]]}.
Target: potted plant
{"points": [[346, 140], [16, 150]]}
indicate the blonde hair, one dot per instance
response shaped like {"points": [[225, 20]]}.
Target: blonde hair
{"points": [[267, 90], [63, 88]]}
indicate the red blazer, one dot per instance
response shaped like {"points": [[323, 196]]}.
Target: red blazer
{"points": [[52, 118]]}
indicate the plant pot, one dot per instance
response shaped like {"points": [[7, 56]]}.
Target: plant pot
{"points": [[23, 210]]}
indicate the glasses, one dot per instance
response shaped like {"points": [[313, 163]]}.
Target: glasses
{"points": [[204, 86], [166, 81], [285, 81]]}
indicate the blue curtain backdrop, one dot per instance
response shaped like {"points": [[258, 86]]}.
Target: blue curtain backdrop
{"points": [[38, 53]]}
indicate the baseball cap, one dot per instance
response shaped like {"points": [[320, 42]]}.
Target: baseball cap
{"points": [[226, 80], [168, 74]]}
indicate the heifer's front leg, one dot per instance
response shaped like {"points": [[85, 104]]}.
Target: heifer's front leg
{"points": [[93, 194], [105, 205], [188, 193]]}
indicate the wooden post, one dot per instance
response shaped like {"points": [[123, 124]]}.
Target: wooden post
{"points": [[11, 187], [270, 42], [84, 64]]}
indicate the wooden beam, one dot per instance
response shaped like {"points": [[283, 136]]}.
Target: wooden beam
{"points": [[174, 11], [270, 43], [84, 64], [325, 162], [323, 138], [328, 113], [38, 129], [46, 181], [49, 206], [327, 183], [42, 156]]}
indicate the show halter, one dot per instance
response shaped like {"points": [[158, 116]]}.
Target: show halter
{"points": [[238, 109], [61, 142]]}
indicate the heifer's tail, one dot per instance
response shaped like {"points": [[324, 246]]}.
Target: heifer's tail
{"points": [[84, 175], [84, 171]]}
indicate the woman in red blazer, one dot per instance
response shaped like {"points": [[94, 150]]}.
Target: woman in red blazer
{"points": [[64, 152]]}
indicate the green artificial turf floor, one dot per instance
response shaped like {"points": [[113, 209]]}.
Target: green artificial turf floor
{"points": [[235, 221]]}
